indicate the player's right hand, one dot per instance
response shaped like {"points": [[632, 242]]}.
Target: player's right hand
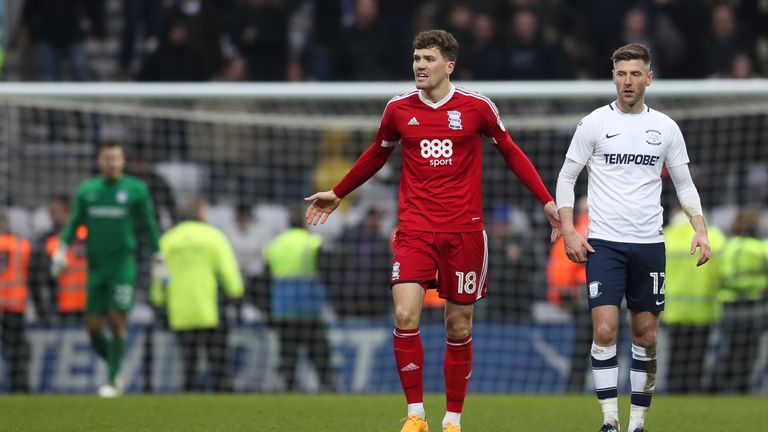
{"points": [[323, 204], [58, 261], [576, 246]]}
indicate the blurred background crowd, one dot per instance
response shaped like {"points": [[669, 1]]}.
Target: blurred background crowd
{"points": [[370, 40]]}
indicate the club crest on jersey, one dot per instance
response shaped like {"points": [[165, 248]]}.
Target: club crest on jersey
{"points": [[653, 137], [594, 289], [121, 197], [454, 120]]}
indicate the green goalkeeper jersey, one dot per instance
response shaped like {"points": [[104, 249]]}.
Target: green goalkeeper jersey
{"points": [[111, 211]]}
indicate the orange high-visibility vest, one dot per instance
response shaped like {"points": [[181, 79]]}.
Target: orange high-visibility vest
{"points": [[432, 299], [72, 280], [563, 275], [14, 270]]}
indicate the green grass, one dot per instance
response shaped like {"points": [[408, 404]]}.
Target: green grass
{"points": [[347, 413]]}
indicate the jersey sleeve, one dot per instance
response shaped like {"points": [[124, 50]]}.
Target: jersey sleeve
{"points": [[146, 214], [492, 125], [76, 218], [677, 154], [387, 135], [373, 159], [583, 143], [513, 155]]}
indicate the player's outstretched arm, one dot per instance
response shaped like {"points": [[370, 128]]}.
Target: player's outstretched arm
{"points": [[700, 240], [321, 206]]}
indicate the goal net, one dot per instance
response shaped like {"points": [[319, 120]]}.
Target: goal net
{"points": [[254, 151]]}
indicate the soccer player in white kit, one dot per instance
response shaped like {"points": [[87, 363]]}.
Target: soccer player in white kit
{"points": [[624, 146]]}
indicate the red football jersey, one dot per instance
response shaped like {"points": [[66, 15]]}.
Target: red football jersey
{"points": [[440, 186]]}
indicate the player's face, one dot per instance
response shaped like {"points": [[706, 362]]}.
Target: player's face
{"points": [[631, 78], [431, 69], [111, 162]]}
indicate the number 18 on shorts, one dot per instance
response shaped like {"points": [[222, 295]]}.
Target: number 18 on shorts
{"points": [[454, 263]]}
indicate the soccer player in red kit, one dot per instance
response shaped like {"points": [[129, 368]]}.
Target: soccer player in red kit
{"points": [[441, 241]]}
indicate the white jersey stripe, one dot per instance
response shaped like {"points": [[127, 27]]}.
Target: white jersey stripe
{"points": [[479, 96], [484, 271]]}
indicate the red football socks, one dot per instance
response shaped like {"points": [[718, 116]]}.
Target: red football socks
{"points": [[409, 356], [457, 368]]}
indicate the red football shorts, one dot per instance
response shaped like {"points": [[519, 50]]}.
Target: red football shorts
{"points": [[454, 263]]}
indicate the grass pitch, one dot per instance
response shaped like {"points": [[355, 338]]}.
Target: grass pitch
{"points": [[347, 413]]}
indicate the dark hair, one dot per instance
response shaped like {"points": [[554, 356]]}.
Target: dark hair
{"points": [[440, 39], [633, 51], [61, 198], [104, 145], [297, 216], [243, 209]]}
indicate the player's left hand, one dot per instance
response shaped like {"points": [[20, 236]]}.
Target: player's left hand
{"points": [[550, 209], [701, 241]]}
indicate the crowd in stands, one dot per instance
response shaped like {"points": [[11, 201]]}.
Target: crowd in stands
{"points": [[364, 40]]}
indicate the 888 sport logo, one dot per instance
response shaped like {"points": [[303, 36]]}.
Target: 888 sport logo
{"points": [[439, 152]]}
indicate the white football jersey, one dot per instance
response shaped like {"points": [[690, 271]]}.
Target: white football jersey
{"points": [[624, 155]]}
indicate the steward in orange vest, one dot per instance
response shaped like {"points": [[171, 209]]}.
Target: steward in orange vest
{"points": [[65, 295], [71, 281], [14, 267]]}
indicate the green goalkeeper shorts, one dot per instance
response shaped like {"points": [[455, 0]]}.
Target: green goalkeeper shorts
{"points": [[111, 287]]}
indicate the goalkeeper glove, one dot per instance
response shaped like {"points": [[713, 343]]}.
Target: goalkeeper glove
{"points": [[160, 270], [59, 260]]}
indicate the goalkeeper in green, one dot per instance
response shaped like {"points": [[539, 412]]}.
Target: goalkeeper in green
{"points": [[110, 206]]}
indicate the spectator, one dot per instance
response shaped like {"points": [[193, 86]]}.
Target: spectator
{"points": [[144, 14], [741, 68], [528, 55], [363, 52], [198, 256], [56, 26], [361, 268], [512, 267], [566, 283], [260, 34], [319, 54], [69, 288], [14, 270], [723, 42], [692, 304], [459, 22], [248, 239], [745, 296], [298, 296], [175, 58], [163, 198], [485, 53]]}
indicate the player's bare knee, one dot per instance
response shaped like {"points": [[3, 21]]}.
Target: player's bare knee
{"points": [[406, 318], [646, 340], [457, 330], [605, 334]]}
